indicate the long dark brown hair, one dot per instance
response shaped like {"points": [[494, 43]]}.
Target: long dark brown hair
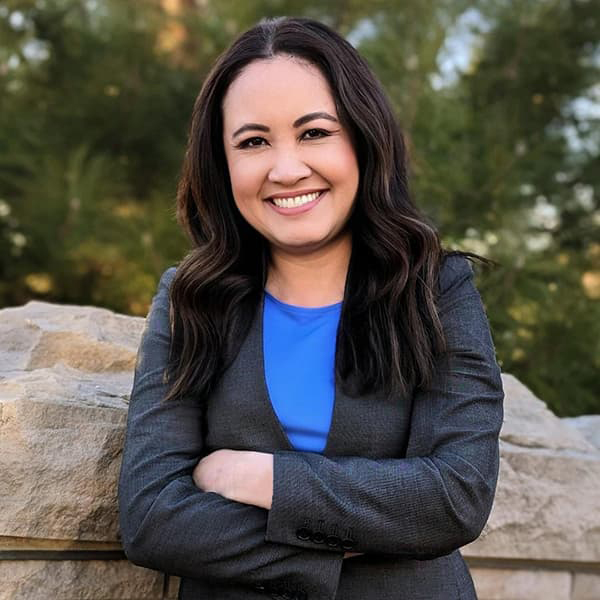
{"points": [[389, 332]]}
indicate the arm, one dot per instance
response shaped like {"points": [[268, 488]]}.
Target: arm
{"points": [[436, 499], [240, 475], [167, 523]]}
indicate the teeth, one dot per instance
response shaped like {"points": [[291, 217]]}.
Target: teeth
{"points": [[296, 200]]}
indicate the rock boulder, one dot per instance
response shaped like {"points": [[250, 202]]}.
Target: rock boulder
{"points": [[65, 377]]}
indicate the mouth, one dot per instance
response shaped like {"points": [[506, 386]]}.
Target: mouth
{"points": [[296, 203]]}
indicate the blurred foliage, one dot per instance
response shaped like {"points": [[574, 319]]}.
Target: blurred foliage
{"points": [[500, 101]]}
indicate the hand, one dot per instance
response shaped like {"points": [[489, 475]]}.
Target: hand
{"points": [[239, 475], [215, 472], [350, 554]]}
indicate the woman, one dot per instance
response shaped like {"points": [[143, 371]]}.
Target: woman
{"points": [[316, 404]]}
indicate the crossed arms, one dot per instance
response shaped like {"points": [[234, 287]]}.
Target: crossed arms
{"points": [[427, 504]]}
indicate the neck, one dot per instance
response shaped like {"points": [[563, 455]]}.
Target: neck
{"points": [[315, 279]]}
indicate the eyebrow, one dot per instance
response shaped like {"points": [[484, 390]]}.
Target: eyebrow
{"points": [[297, 123]]}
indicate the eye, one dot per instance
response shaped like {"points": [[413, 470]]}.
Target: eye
{"points": [[315, 134], [252, 142]]}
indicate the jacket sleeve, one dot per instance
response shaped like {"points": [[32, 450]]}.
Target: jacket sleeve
{"points": [[439, 496], [166, 522]]}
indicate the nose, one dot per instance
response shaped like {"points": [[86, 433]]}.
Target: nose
{"points": [[288, 168]]}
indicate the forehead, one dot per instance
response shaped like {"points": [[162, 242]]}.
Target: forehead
{"points": [[280, 88]]}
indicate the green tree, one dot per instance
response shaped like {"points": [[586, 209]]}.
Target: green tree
{"points": [[96, 96]]}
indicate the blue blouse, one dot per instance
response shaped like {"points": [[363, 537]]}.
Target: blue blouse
{"points": [[299, 354]]}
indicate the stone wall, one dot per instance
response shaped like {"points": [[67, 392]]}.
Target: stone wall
{"points": [[65, 377], [542, 540]]}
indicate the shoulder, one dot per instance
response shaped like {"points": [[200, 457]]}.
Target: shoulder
{"points": [[167, 277], [160, 301], [158, 319], [164, 285], [454, 267], [455, 277]]}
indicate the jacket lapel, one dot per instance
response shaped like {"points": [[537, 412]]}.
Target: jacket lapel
{"points": [[240, 414]]}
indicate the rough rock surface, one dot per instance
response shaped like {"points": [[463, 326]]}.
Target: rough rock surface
{"points": [[78, 579], [588, 426], [65, 377], [547, 505], [510, 584]]}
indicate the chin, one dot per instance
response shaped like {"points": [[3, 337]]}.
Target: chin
{"points": [[299, 246]]}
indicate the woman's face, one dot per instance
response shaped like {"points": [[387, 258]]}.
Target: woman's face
{"points": [[293, 170]]}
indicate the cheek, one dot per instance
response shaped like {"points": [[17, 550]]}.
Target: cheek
{"points": [[345, 166], [246, 188], [245, 182]]}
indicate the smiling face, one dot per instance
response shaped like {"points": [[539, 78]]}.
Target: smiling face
{"points": [[294, 173]]}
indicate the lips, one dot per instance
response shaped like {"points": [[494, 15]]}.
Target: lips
{"points": [[291, 204], [293, 201]]}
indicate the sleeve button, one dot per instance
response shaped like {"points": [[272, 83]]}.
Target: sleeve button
{"points": [[303, 533], [347, 544], [318, 537], [333, 541]]}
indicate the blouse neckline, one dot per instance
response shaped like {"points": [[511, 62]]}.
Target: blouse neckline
{"points": [[306, 310]]}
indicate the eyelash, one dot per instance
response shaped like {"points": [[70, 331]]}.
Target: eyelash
{"points": [[246, 143]]}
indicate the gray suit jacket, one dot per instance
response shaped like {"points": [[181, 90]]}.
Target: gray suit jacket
{"points": [[406, 481]]}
